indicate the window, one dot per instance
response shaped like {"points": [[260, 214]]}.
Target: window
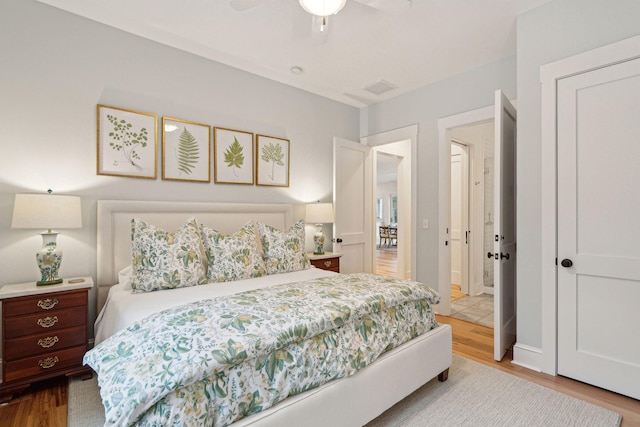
{"points": [[394, 209], [379, 208]]}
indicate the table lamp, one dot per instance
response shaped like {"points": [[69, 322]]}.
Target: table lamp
{"points": [[47, 211], [319, 213]]}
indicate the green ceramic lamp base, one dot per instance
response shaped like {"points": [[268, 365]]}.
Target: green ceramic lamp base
{"points": [[48, 282]]}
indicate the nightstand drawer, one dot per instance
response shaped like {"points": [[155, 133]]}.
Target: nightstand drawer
{"points": [[45, 322], [331, 264], [45, 343], [44, 364], [43, 303]]}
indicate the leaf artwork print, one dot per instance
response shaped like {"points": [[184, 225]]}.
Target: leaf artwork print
{"points": [[188, 152], [126, 140], [273, 153], [233, 157]]}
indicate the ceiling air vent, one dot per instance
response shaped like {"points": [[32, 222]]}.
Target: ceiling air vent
{"points": [[380, 87]]}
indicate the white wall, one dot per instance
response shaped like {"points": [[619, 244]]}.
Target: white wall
{"points": [[56, 67], [384, 190], [551, 32], [464, 92]]}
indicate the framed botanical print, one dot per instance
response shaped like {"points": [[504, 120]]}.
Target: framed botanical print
{"points": [[127, 143], [233, 156], [186, 152], [272, 161]]}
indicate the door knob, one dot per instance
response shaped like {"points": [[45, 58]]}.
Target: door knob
{"points": [[504, 255], [566, 263], [489, 255]]}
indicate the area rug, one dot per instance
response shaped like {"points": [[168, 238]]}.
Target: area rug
{"points": [[474, 395]]}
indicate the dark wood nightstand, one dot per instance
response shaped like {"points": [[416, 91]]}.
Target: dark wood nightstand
{"points": [[44, 332], [328, 261]]}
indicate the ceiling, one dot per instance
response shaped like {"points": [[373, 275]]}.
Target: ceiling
{"points": [[428, 41]]}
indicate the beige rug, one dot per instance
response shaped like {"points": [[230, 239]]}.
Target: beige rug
{"points": [[474, 395]]}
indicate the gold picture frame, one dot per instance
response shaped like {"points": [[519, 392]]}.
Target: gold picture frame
{"points": [[233, 156], [127, 143], [186, 150], [272, 161]]}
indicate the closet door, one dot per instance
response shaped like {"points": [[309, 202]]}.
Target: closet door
{"points": [[598, 232]]}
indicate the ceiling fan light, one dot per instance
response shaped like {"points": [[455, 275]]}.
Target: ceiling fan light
{"points": [[322, 7]]}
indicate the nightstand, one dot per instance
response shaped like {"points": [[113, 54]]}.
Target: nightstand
{"points": [[44, 332], [328, 261]]}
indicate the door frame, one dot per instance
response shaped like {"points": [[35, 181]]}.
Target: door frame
{"points": [[628, 49], [377, 142], [445, 124]]}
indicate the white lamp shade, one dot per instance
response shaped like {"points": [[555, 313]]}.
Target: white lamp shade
{"points": [[46, 211], [322, 7], [319, 213]]}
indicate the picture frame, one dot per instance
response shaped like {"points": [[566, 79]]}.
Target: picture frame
{"points": [[127, 143], [186, 152], [272, 161], [233, 156]]}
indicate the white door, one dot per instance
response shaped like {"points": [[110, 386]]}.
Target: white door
{"points": [[460, 217], [598, 234], [504, 273], [353, 204]]}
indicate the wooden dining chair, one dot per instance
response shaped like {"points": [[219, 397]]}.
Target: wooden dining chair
{"points": [[393, 236], [383, 232]]}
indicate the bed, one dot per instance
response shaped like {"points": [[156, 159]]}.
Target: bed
{"points": [[352, 400]]}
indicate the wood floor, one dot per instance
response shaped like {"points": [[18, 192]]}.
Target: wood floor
{"points": [[45, 404]]}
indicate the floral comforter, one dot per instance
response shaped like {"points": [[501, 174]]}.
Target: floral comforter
{"points": [[216, 361]]}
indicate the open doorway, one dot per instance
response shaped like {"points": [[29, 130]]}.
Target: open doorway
{"points": [[503, 113], [386, 260], [401, 145], [356, 239], [471, 234]]}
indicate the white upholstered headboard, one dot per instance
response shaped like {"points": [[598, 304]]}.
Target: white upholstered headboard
{"points": [[114, 227]]}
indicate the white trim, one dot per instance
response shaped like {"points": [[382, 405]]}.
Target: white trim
{"points": [[395, 135], [444, 180], [527, 357], [621, 51]]}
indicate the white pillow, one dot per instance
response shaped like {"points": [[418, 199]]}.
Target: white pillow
{"points": [[124, 277]]}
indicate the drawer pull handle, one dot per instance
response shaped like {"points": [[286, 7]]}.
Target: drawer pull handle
{"points": [[48, 341], [49, 362], [47, 304], [327, 263], [48, 322]]}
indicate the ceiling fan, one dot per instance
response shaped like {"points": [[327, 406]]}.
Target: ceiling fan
{"points": [[322, 9]]}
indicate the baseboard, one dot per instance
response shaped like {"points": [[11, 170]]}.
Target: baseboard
{"points": [[527, 357]]}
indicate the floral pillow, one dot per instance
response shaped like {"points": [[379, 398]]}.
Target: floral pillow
{"points": [[163, 260], [234, 256], [283, 250]]}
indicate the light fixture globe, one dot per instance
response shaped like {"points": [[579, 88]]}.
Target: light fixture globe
{"points": [[323, 7]]}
